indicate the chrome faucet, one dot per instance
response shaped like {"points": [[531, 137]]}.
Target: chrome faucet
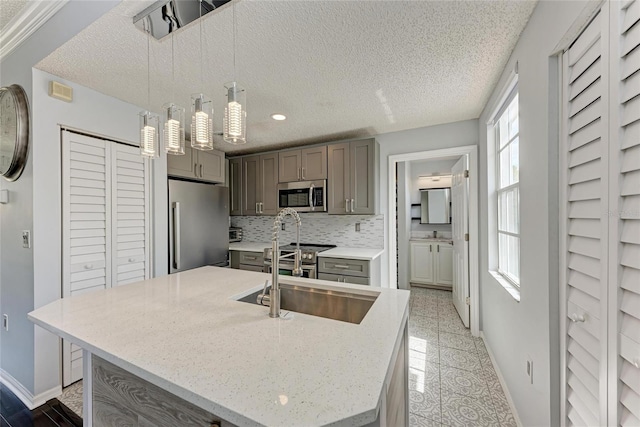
{"points": [[274, 293]]}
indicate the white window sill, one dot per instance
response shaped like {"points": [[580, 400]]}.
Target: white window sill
{"points": [[512, 290]]}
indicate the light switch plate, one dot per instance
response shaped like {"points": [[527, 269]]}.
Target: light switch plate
{"points": [[26, 239]]}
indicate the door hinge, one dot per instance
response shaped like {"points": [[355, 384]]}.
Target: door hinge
{"points": [[466, 173], [466, 237], [468, 301]]}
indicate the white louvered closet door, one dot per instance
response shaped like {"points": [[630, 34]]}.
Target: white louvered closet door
{"points": [[86, 201], [106, 222], [584, 238], [130, 213], [627, 238]]}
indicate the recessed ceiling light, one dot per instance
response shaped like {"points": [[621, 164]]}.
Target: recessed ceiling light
{"points": [[278, 116]]}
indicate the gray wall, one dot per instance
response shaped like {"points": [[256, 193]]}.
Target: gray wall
{"points": [[417, 140], [17, 292], [404, 224], [515, 331]]}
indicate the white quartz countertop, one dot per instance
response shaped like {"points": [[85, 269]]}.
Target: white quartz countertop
{"points": [[352, 253], [187, 334], [249, 246]]}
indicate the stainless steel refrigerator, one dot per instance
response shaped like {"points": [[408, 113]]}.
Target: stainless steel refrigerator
{"points": [[198, 225]]}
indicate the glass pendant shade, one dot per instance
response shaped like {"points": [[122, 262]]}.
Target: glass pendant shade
{"points": [[201, 122], [235, 114], [149, 131], [174, 129]]}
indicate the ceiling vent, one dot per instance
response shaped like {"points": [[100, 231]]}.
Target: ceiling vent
{"points": [[166, 16]]}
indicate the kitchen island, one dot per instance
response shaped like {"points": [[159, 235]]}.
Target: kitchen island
{"points": [[187, 340]]}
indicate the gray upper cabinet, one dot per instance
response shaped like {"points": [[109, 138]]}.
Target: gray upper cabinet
{"points": [[308, 164], [259, 184], [196, 164], [235, 186], [352, 177], [339, 180]]}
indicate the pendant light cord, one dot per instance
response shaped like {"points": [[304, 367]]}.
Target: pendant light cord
{"points": [[201, 51], [234, 41], [149, 71]]}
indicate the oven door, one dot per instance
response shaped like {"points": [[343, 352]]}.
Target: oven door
{"points": [[305, 196], [286, 269]]}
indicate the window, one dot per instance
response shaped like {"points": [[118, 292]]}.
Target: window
{"points": [[507, 189]]}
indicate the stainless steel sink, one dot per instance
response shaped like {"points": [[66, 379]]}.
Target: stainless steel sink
{"points": [[331, 304]]}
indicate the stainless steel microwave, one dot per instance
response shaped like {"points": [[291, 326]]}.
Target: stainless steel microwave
{"points": [[303, 196]]}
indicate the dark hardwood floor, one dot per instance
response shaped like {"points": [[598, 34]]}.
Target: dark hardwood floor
{"points": [[13, 413]]}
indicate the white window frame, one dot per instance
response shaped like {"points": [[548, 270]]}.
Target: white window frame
{"points": [[507, 94], [501, 190]]}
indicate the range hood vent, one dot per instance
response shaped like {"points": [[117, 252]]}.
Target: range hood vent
{"points": [[166, 16]]}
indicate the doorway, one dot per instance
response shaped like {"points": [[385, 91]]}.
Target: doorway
{"points": [[401, 230]]}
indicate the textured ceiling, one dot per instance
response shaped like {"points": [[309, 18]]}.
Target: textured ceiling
{"points": [[9, 9], [337, 69]]}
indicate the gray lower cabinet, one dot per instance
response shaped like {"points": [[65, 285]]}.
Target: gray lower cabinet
{"points": [[259, 184], [250, 261], [352, 177], [308, 164], [197, 164], [345, 270]]}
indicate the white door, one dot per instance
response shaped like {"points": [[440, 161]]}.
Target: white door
{"points": [[105, 216], [130, 215], [460, 228], [86, 241], [584, 192]]}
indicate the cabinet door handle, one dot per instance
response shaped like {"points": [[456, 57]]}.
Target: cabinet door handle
{"points": [[252, 258], [438, 248], [302, 173], [346, 205], [353, 205], [176, 235], [430, 248], [299, 174], [340, 266], [261, 207], [200, 171]]}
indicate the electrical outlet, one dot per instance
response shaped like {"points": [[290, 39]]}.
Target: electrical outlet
{"points": [[26, 239], [530, 369], [358, 227], [5, 322]]}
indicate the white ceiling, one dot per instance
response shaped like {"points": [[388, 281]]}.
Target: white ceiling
{"points": [[337, 69], [9, 9]]}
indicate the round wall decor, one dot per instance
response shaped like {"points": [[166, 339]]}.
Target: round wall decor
{"points": [[14, 131]]}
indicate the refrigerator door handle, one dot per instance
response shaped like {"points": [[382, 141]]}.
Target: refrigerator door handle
{"points": [[176, 235]]}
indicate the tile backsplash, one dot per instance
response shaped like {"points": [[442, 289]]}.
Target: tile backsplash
{"points": [[339, 230]]}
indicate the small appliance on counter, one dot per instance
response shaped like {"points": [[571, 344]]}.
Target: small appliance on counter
{"points": [[235, 234]]}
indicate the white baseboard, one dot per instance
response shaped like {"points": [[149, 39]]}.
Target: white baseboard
{"points": [[22, 393], [502, 382]]}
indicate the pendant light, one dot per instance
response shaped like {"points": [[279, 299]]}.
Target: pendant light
{"points": [[201, 110], [234, 123], [149, 122], [174, 116]]}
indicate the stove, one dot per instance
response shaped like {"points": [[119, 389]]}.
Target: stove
{"points": [[309, 252]]}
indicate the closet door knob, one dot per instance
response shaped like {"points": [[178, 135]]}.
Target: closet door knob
{"points": [[132, 260], [577, 318], [88, 266]]}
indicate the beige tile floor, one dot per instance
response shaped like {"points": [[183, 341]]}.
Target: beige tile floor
{"points": [[451, 379]]}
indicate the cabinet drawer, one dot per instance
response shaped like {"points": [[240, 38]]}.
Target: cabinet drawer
{"points": [[248, 267], [252, 258], [344, 279], [341, 266]]}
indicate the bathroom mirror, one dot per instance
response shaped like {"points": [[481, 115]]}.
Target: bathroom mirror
{"points": [[435, 206]]}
